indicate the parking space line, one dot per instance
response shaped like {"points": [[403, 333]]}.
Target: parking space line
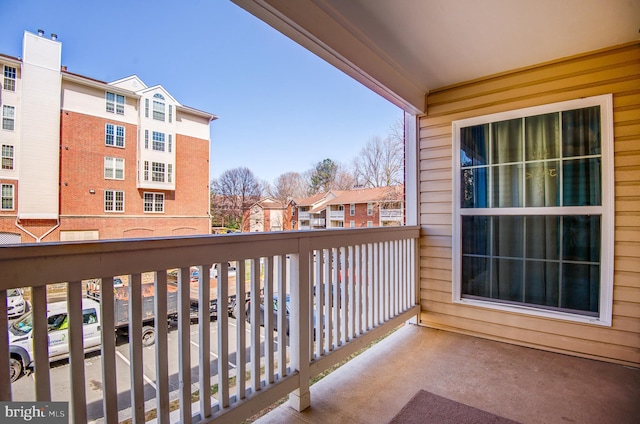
{"points": [[212, 354], [147, 379]]}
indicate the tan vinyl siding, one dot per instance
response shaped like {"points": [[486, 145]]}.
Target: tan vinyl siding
{"points": [[611, 71]]}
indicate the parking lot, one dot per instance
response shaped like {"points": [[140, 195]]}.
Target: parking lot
{"points": [[24, 388]]}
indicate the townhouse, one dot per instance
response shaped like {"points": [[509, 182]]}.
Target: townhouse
{"points": [[84, 159]]}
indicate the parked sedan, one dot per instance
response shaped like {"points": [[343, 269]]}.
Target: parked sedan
{"points": [[16, 304]]}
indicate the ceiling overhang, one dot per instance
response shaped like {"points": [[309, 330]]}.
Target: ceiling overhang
{"points": [[403, 49]]}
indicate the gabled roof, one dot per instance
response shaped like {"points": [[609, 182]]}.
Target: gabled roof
{"points": [[159, 89], [270, 203], [312, 200]]}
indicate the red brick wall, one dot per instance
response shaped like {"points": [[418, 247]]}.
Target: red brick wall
{"points": [[361, 216], [192, 177], [82, 156], [82, 169]]}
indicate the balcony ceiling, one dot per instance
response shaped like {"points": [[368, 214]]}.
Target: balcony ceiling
{"points": [[403, 49]]}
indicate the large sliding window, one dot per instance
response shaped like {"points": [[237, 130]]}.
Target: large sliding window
{"points": [[533, 210]]}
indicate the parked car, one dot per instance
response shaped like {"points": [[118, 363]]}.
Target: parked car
{"points": [[16, 304], [276, 304]]}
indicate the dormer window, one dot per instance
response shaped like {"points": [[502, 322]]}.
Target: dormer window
{"points": [[158, 107]]}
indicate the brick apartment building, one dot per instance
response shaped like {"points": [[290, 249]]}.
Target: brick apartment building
{"points": [[360, 208], [84, 159], [268, 215]]}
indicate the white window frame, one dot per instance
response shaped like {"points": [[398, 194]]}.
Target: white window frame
{"points": [[10, 76], [12, 196], [352, 209], [606, 211], [8, 155], [114, 202], [8, 115], [158, 170], [112, 166], [114, 103], [155, 200], [158, 107], [114, 135], [158, 141], [369, 209]]}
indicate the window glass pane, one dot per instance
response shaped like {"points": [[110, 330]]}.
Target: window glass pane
{"points": [[581, 182], [580, 287], [474, 190], [475, 279], [507, 141], [542, 137], [542, 184], [542, 235], [475, 235], [474, 145], [581, 132], [541, 285], [507, 236], [581, 238], [507, 186], [506, 277]]}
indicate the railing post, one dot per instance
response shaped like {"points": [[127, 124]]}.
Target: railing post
{"points": [[300, 399]]}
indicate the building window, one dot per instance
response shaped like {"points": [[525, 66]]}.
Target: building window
{"points": [[157, 172], [153, 202], [369, 209], [352, 209], [532, 199], [113, 201], [9, 78], [169, 146], [158, 141], [146, 170], [169, 172], [352, 224], [158, 107], [8, 117], [146, 139], [369, 223], [170, 113], [114, 135], [7, 197], [114, 168], [115, 103], [146, 108], [7, 156]]}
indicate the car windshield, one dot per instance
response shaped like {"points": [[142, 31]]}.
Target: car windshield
{"points": [[22, 326], [13, 292]]}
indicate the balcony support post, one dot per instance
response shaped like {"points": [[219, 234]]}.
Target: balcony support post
{"points": [[300, 399]]}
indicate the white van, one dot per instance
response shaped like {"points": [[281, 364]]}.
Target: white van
{"points": [[21, 335]]}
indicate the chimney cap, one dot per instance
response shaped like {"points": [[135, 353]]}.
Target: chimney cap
{"points": [[54, 37], [40, 32]]}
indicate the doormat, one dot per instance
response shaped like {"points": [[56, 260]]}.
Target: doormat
{"points": [[425, 407]]}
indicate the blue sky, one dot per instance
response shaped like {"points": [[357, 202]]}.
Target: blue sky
{"points": [[280, 107]]}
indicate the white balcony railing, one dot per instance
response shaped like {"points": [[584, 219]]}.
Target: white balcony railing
{"points": [[346, 289], [337, 215], [391, 215]]}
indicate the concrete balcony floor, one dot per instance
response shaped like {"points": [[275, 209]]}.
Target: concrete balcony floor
{"points": [[522, 384]]}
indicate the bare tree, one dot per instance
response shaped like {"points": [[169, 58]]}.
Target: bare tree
{"points": [[287, 186], [345, 179], [381, 161], [232, 193]]}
